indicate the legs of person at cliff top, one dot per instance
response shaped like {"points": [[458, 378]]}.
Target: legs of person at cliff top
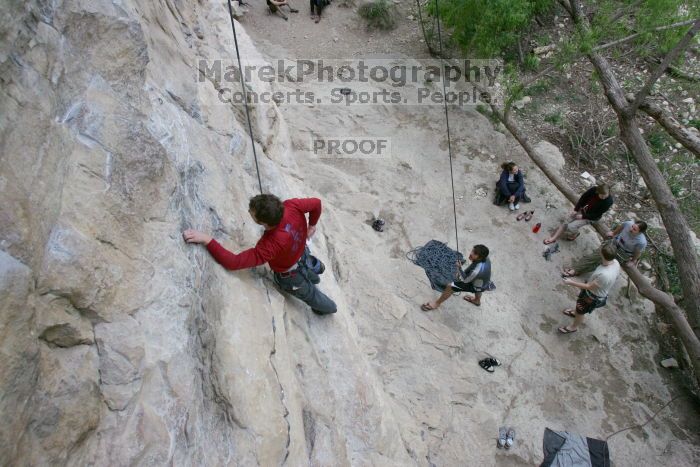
{"points": [[570, 228], [555, 236], [584, 265], [316, 4]]}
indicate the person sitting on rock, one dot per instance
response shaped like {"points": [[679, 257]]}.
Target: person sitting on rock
{"points": [[628, 238], [589, 209], [474, 279], [282, 246], [594, 292], [510, 188], [275, 7]]}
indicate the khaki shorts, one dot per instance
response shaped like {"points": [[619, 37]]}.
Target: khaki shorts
{"points": [[573, 225]]}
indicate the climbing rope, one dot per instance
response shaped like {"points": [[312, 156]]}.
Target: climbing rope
{"points": [[245, 94], [642, 425], [447, 121], [439, 262]]}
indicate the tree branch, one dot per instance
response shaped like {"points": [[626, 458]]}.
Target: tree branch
{"points": [[677, 131], [624, 10], [637, 34], [670, 57], [566, 5], [538, 76]]}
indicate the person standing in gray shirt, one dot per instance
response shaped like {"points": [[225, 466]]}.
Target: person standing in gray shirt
{"points": [[594, 292]]}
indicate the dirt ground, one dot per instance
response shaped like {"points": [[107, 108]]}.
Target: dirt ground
{"points": [[595, 382]]}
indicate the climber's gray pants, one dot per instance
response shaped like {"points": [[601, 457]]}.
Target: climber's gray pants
{"points": [[301, 283]]}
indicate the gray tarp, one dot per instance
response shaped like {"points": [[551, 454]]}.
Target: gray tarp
{"points": [[564, 449]]}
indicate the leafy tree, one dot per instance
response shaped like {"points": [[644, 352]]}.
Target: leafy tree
{"points": [[487, 27]]}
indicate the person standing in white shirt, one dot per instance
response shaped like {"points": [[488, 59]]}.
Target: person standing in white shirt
{"points": [[594, 292]]}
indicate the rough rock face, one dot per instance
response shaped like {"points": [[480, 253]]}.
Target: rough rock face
{"points": [[121, 345]]}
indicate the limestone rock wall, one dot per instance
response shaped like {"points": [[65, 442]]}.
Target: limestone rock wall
{"points": [[120, 344]]}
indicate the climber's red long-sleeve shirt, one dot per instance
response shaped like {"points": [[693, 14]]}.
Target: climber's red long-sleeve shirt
{"points": [[281, 247]]}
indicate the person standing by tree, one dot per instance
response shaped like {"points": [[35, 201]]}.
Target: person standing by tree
{"points": [[282, 246]]}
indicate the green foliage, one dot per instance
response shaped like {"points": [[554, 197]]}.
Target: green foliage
{"points": [[657, 142], [540, 87], [610, 130], [616, 19], [379, 14], [483, 110], [555, 119], [531, 62], [488, 27]]}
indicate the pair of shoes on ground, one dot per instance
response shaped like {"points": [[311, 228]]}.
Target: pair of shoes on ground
{"points": [[513, 206], [488, 364], [506, 437], [527, 215]]}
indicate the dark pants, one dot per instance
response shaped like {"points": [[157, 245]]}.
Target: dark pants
{"points": [[301, 283], [319, 4]]}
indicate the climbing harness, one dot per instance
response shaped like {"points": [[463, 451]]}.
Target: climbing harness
{"points": [[245, 94]]}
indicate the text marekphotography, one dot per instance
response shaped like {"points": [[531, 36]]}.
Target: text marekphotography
{"points": [[353, 82]]}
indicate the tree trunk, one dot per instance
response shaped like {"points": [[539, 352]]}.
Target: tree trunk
{"points": [[676, 225]]}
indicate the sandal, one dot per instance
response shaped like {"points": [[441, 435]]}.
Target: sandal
{"points": [[569, 312], [568, 272], [486, 365], [427, 307], [521, 216], [528, 216], [565, 330], [471, 300], [492, 361]]}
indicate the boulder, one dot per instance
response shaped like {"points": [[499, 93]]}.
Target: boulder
{"points": [[669, 363], [551, 154]]}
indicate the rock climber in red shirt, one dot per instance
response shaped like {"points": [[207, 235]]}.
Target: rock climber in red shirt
{"points": [[282, 246]]}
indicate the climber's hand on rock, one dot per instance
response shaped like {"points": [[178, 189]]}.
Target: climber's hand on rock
{"points": [[311, 231], [193, 236]]}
